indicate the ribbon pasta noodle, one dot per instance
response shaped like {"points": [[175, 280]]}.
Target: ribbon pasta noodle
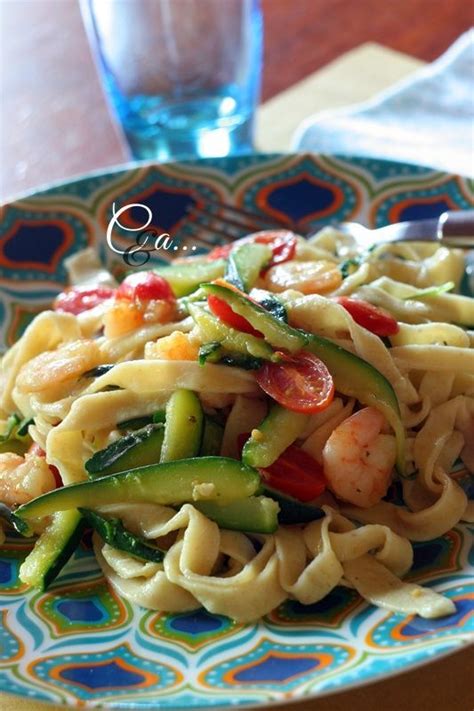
{"points": [[78, 384]]}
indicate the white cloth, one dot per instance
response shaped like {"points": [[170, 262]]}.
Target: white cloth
{"points": [[426, 119]]}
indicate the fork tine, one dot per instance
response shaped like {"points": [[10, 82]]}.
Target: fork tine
{"points": [[224, 226], [239, 217], [270, 222], [228, 227], [215, 223], [197, 228]]}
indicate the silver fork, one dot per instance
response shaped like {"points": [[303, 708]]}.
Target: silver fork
{"points": [[452, 228], [226, 222]]}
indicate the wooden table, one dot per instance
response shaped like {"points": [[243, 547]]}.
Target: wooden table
{"points": [[55, 124], [54, 119]]}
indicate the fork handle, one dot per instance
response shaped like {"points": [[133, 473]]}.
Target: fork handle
{"points": [[456, 228]]}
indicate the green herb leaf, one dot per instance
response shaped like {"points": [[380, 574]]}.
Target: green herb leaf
{"points": [[271, 303], [349, 266]]}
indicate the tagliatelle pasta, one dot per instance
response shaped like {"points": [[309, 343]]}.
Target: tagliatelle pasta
{"points": [[305, 564], [102, 407]]}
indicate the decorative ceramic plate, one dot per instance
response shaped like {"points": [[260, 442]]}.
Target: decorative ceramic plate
{"points": [[79, 643]]}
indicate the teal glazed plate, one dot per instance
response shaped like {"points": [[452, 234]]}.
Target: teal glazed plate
{"points": [[80, 644]]}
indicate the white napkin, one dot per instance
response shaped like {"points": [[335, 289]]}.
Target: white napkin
{"points": [[426, 119]]}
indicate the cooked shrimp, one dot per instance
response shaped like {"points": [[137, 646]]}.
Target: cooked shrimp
{"points": [[176, 346], [125, 316], [121, 318], [23, 478], [317, 277], [358, 460], [55, 367]]}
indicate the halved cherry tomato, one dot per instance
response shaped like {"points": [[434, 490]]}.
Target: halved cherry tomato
{"points": [[301, 382], [371, 317], [224, 313], [76, 300], [145, 286], [295, 473], [222, 251], [282, 243], [39, 452]]}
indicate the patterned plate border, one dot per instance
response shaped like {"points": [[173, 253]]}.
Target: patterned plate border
{"points": [[80, 644]]}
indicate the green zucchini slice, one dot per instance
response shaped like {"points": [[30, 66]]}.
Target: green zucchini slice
{"points": [[293, 511], [53, 549], [135, 449], [171, 483], [183, 426], [278, 430], [113, 532], [257, 514]]}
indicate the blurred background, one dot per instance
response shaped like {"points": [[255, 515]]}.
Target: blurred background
{"points": [[56, 123]]}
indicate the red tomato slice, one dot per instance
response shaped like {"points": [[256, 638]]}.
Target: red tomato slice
{"points": [[222, 251], [371, 317], [295, 473], [39, 452], [77, 300], [145, 286], [224, 313], [282, 243], [301, 383]]}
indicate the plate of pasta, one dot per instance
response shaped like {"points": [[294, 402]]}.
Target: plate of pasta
{"points": [[237, 473]]}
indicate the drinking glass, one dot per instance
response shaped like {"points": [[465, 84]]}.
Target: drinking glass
{"points": [[183, 76]]}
